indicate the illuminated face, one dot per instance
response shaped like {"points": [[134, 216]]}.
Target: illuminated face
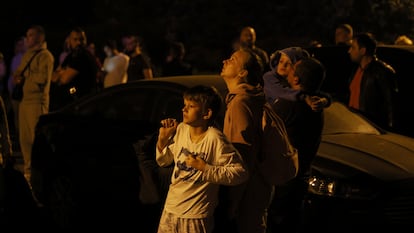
{"points": [[32, 38], [342, 36], [234, 65], [130, 44], [355, 52], [248, 37], [76, 39], [285, 66], [292, 78], [192, 112]]}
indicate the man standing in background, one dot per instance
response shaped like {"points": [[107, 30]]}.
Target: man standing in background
{"points": [[36, 77], [139, 63], [343, 35], [373, 86], [76, 77], [248, 40]]}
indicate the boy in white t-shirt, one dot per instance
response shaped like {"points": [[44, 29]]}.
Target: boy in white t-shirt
{"points": [[204, 159]]}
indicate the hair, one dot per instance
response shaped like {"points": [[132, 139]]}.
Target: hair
{"points": [[208, 97], [177, 49], [111, 44], [367, 41], [347, 27], [135, 38], [295, 54], [311, 73], [254, 66]]}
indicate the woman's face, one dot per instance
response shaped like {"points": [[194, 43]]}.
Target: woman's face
{"points": [[284, 66], [234, 65]]}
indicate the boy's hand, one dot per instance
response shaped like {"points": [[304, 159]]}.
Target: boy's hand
{"points": [[195, 162], [166, 132]]}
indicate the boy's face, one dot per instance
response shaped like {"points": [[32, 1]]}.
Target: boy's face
{"points": [[193, 113], [285, 66]]}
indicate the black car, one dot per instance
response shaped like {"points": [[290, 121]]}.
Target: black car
{"points": [[363, 174], [86, 157], [85, 165]]}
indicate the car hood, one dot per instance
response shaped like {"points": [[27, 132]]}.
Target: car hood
{"points": [[386, 156]]}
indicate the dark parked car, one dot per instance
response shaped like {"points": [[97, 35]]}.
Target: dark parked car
{"points": [[85, 157], [85, 165], [361, 173]]}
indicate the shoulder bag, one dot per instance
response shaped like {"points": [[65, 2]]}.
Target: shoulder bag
{"points": [[17, 92]]}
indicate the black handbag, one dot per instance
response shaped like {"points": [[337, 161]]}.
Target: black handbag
{"points": [[17, 92]]}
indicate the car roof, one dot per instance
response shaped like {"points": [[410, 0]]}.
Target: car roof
{"points": [[193, 80], [176, 82]]}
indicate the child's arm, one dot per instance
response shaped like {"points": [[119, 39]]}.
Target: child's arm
{"points": [[230, 168], [167, 131], [320, 101], [274, 88], [165, 135]]}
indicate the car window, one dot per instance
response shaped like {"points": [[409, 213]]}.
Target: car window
{"points": [[339, 119]]}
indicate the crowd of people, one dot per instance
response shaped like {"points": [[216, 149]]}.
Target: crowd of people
{"points": [[292, 87], [224, 189]]}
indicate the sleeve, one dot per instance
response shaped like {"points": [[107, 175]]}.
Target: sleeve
{"points": [[387, 83], [230, 168], [274, 89], [45, 69], [241, 129], [166, 156], [327, 96], [146, 62]]}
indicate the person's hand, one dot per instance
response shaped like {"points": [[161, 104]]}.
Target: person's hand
{"points": [[195, 162], [316, 103], [17, 79], [166, 132], [56, 74]]}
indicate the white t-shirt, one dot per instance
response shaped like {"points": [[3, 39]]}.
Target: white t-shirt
{"points": [[116, 68], [193, 193]]}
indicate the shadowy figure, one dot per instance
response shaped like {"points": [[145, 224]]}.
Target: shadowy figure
{"points": [[343, 35], [77, 75], [174, 62]]}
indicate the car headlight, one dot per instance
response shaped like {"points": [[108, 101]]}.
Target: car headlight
{"points": [[335, 188]]}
